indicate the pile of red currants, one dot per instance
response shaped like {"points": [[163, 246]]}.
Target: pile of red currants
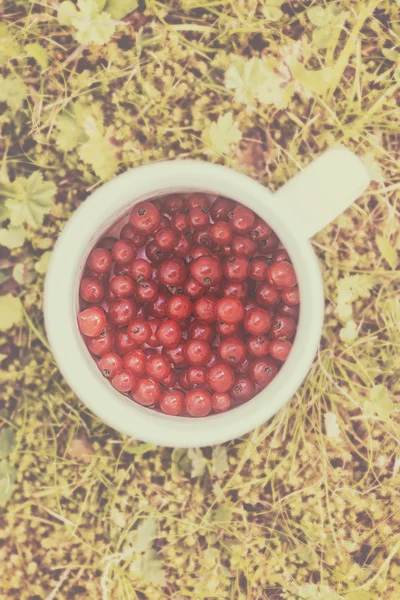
{"points": [[193, 309]]}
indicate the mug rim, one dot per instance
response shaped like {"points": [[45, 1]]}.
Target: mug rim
{"points": [[103, 208]]}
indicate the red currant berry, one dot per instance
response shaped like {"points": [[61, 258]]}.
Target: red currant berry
{"points": [[91, 290], [257, 321], [92, 321], [202, 237], [220, 377], [243, 246], [158, 308], [198, 402], [236, 268], [179, 307], [244, 367], [198, 352], [154, 325], [225, 250], [122, 286], [123, 252], [267, 295], [158, 367], [221, 209], [258, 269], [172, 402], [183, 246], [140, 270], [196, 376], [122, 342], [137, 239], [225, 330], [282, 275], [242, 219], [173, 204], [102, 343], [139, 331], [257, 345], [232, 350], [135, 362], [166, 239], [109, 364], [107, 243], [280, 350], [238, 289], [206, 270], [289, 311], [291, 296], [177, 355], [181, 223], [121, 269], [243, 390], [146, 291], [201, 331], [269, 244], [121, 311], [221, 233], [230, 310], [263, 370], [163, 224], [172, 273], [169, 333], [147, 392], [100, 261], [123, 381], [282, 328], [170, 380], [198, 200], [183, 381], [155, 254], [281, 255], [205, 309], [193, 290], [221, 401], [199, 218], [145, 217], [260, 230], [213, 360], [198, 252]]}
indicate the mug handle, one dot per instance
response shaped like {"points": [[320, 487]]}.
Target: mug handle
{"points": [[320, 192]]}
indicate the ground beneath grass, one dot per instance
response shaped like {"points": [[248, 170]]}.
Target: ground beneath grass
{"points": [[306, 507]]}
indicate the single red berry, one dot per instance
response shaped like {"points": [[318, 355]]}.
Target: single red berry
{"points": [[193, 290], [135, 362], [201, 331], [221, 233], [238, 289], [158, 308], [155, 254], [92, 321], [202, 237], [230, 310], [257, 321], [205, 309], [147, 392], [199, 218], [232, 350], [197, 376], [183, 246], [198, 200], [243, 246], [225, 250], [267, 295], [172, 273], [91, 290], [197, 252], [173, 204], [244, 367], [280, 350], [166, 239], [242, 219], [260, 230], [102, 343], [145, 217], [122, 342], [198, 352], [123, 381], [236, 268], [181, 223], [225, 330], [258, 269], [289, 311], [257, 345], [170, 380], [123, 252], [169, 333], [283, 327], [221, 401], [136, 238], [146, 291], [100, 261], [158, 367], [109, 364], [281, 255], [106, 242], [172, 402], [220, 377], [221, 209], [243, 390], [282, 275], [139, 331], [123, 270], [291, 296], [198, 402], [153, 339], [263, 370], [179, 307], [121, 311], [269, 244], [183, 381], [122, 286], [140, 270], [176, 355], [163, 224], [206, 270]]}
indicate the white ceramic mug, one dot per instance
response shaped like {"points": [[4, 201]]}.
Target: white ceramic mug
{"points": [[296, 212]]}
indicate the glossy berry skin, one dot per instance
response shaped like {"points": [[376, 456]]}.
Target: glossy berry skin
{"points": [[198, 402], [163, 224], [183, 381], [139, 331], [257, 321], [136, 238], [198, 252], [145, 217], [134, 361], [169, 333], [109, 364], [288, 311], [258, 270], [202, 237], [282, 275], [225, 330], [196, 376], [244, 367], [198, 352], [268, 245], [173, 204], [201, 331], [102, 343], [181, 223], [183, 246], [263, 370], [281, 255], [243, 246], [177, 355], [121, 269], [220, 377], [232, 350], [280, 350], [123, 252], [122, 286], [221, 401], [282, 328], [166, 239], [291, 296], [236, 268], [221, 209], [158, 367], [155, 254], [92, 321], [146, 291], [99, 261], [140, 270], [123, 381], [107, 243], [179, 307], [91, 290], [172, 273], [193, 290], [147, 391], [230, 310], [221, 233], [121, 311], [172, 402], [260, 230], [154, 324], [238, 289], [243, 390], [198, 200], [205, 309], [199, 218], [206, 270], [170, 380], [122, 342], [242, 219], [158, 308], [267, 295]]}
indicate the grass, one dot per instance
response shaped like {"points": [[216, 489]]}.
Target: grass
{"points": [[305, 507]]}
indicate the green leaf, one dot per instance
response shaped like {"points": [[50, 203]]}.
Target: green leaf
{"points": [[140, 449], [12, 91], [100, 154], [391, 54], [10, 312], [43, 263], [9, 48], [91, 24], [12, 237], [247, 77], [382, 404], [388, 251], [358, 595], [271, 11], [28, 200], [349, 333], [318, 16], [219, 460], [198, 461], [66, 11], [23, 273], [223, 514], [146, 533], [8, 441], [118, 9], [322, 36], [222, 135], [37, 52], [150, 568], [7, 478]]}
